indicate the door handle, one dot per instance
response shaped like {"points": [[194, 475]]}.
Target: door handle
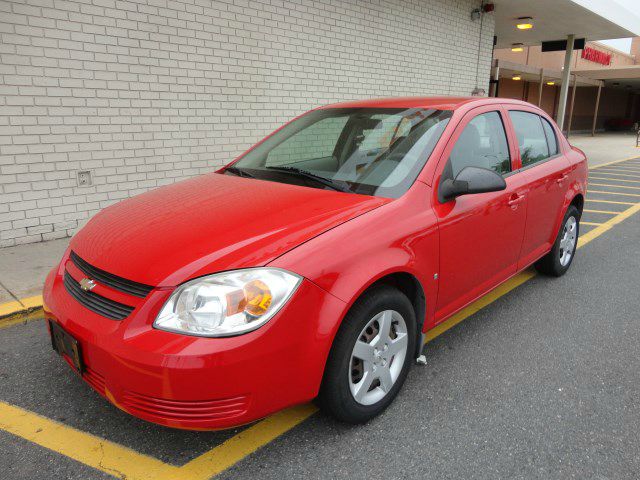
{"points": [[515, 200], [562, 178]]}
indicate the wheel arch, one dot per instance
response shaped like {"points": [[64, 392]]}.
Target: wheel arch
{"points": [[409, 285], [578, 202], [574, 196]]}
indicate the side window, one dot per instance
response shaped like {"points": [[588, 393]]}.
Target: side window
{"points": [[482, 143], [532, 140], [551, 136]]}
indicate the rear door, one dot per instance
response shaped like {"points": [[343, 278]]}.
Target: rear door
{"points": [[546, 170], [480, 234]]}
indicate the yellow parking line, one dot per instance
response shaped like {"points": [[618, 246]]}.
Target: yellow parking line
{"points": [[629, 165], [616, 193], [478, 305], [617, 174], [633, 168], [599, 230], [616, 186], [615, 162], [613, 179], [582, 222], [123, 462], [624, 170], [609, 201], [243, 444], [95, 452], [610, 212]]}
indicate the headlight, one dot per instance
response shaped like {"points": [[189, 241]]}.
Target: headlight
{"points": [[226, 304]]}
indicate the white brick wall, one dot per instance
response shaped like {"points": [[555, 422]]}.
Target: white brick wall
{"points": [[143, 93]]}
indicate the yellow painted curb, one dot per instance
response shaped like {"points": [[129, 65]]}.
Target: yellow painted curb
{"points": [[11, 312]]}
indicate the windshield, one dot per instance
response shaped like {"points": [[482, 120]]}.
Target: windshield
{"points": [[372, 151]]}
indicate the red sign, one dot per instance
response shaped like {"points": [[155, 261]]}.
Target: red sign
{"points": [[597, 56]]}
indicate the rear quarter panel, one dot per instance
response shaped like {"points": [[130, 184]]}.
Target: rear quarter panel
{"points": [[578, 175]]}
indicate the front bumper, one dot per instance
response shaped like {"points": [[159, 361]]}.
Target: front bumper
{"points": [[200, 383]]}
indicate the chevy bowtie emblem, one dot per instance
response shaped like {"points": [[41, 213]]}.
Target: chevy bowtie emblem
{"points": [[87, 284]]}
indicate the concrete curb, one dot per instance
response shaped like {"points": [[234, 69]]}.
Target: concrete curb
{"points": [[21, 318], [17, 311]]}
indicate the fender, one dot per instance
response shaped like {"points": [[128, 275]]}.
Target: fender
{"points": [[411, 246]]}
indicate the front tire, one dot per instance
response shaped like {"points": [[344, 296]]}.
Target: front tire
{"points": [[558, 260], [370, 356]]}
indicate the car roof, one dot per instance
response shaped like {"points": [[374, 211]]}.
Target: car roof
{"points": [[439, 103]]}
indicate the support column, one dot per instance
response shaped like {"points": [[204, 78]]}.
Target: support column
{"points": [[573, 102], [496, 80], [595, 113], [540, 86], [566, 77]]}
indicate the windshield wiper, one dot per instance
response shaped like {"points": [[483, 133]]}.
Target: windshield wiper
{"points": [[239, 172], [340, 187]]}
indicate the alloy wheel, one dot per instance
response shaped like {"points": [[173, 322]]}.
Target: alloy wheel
{"points": [[568, 240], [378, 357]]}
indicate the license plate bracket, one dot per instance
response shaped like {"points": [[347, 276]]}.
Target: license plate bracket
{"points": [[66, 346]]}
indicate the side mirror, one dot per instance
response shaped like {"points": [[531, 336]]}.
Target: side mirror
{"points": [[471, 180]]}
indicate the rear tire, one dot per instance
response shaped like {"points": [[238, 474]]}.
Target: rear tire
{"points": [[370, 356], [559, 259]]}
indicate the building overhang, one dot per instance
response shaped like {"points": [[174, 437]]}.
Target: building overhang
{"points": [[622, 77], [555, 19], [530, 73]]}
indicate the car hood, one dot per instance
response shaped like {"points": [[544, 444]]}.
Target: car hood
{"points": [[210, 223]]}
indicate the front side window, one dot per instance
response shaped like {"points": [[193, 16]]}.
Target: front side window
{"points": [[532, 140], [482, 143], [371, 151]]}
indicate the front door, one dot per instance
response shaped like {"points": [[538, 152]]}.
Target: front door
{"points": [[480, 234]]}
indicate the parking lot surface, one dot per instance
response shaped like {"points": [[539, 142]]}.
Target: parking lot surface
{"points": [[540, 380]]}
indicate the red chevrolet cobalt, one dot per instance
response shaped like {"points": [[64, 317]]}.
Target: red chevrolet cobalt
{"points": [[313, 266]]}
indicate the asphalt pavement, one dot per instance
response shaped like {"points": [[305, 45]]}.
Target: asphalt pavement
{"points": [[543, 383]]}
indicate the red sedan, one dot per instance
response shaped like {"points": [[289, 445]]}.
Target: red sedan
{"points": [[313, 265]]}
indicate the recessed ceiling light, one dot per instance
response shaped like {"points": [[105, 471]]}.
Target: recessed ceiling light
{"points": [[551, 83], [524, 23], [516, 77], [517, 47]]}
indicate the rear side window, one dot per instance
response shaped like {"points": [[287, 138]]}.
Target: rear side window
{"points": [[482, 143], [551, 136], [532, 140]]}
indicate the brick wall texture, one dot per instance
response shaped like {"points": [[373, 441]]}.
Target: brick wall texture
{"points": [[145, 93]]}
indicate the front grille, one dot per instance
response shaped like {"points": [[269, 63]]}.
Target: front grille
{"points": [[96, 303], [110, 280]]}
